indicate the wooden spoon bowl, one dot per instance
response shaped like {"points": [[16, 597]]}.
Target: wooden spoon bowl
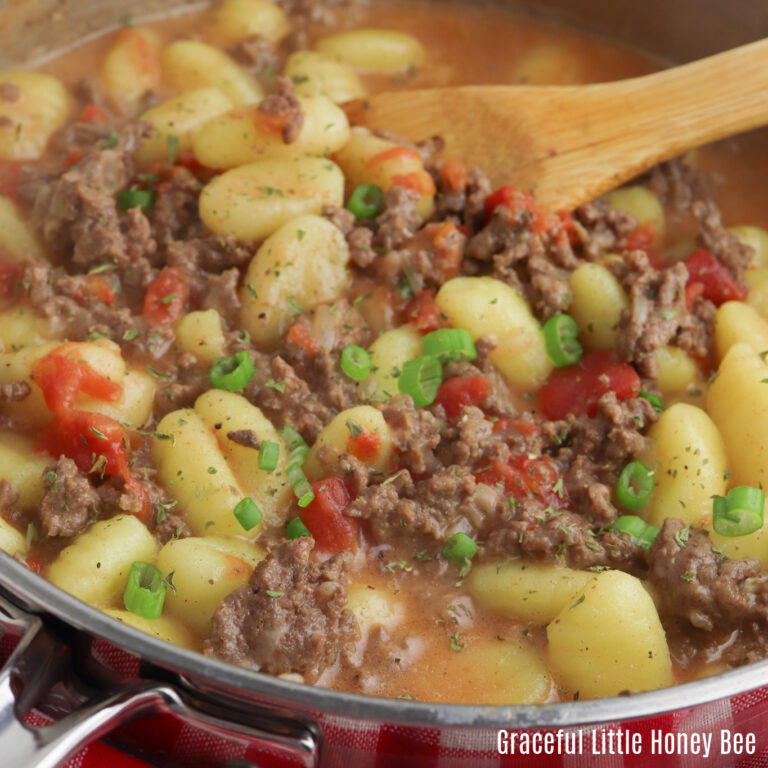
{"points": [[570, 144]]}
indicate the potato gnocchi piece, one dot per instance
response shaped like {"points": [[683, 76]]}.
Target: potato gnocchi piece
{"points": [[677, 370], [374, 50], [373, 605], [737, 401], [244, 135], [28, 122], [237, 20], [164, 628], [23, 467], [524, 590], [203, 576], [178, 120], [193, 469], [270, 490], [737, 322], [361, 432], [757, 238], [388, 353], [131, 67], [17, 238], [21, 327], [369, 159], [484, 305], [315, 74], [609, 640], [687, 455], [254, 201], [134, 406], [737, 547], [189, 64], [12, 540], [95, 567], [598, 301], [302, 265], [504, 671], [757, 281], [643, 204], [201, 334]]}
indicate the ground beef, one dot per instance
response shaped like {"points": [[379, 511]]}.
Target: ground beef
{"points": [[600, 230], [734, 254], [465, 205], [70, 501], [415, 434], [398, 221], [678, 184], [245, 437], [283, 108], [14, 391], [696, 582], [9, 498], [176, 205], [290, 617], [257, 55]]}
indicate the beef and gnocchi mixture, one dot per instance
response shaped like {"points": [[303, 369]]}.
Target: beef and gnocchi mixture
{"points": [[325, 404]]}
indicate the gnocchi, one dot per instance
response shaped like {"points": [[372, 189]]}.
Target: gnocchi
{"points": [[315, 74], [131, 67], [373, 50], [236, 20]]}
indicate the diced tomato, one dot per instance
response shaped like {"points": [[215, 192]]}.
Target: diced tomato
{"points": [[577, 388], [61, 375], [527, 428], [166, 296], [10, 275], [524, 476], [92, 114], [299, 334], [717, 283], [457, 393], [73, 158], [692, 292], [325, 518], [35, 566], [395, 153], [642, 238], [95, 286], [417, 181], [365, 446], [10, 176], [516, 201], [423, 313], [453, 174]]}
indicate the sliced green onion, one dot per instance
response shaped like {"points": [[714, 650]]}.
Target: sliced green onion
{"points": [[637, 529], [365, 201], [247, 513], [298, 450], [635, 485], [232, 373], [654, 400], [295, 529], [459, 548], [561, 337], [421, 378], [739, 513], [450, 345], [269, 454], [144, 591], [136, 198], [355, 362]]}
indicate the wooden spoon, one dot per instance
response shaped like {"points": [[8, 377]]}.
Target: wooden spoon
{"points": [[569, 144]]}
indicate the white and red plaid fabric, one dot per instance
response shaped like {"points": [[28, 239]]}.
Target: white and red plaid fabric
{"points": [[168, 741]]}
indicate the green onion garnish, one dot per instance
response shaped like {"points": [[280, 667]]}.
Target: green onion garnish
{"points": [[561, 337], [740, 512], [365, 201], [355, 362], [295, 529], [136, 198], [459, 548], [654, 400], [247, 513], [269, 453], [635, 485], [421, 378], [144, 591], [450, 345], [298, 450], [637, 529], [232, 373]]}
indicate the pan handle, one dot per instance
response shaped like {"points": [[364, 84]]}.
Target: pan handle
{"points": [[35, 668]]}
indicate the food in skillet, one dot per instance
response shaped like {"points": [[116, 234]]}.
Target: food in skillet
{"points": [[324, 404]]}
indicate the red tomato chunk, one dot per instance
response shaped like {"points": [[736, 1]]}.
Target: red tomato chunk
{"points": [[524, 476], [325, 518], [166, 296], [457, 393], [715, 280]]}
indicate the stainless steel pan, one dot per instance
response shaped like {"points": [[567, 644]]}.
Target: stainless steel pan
{"points": [[59, 665]]}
